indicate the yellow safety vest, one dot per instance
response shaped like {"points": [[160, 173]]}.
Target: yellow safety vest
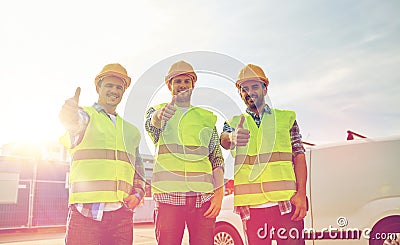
{"points": [[102, 168], [181, 162], [263, 168]]}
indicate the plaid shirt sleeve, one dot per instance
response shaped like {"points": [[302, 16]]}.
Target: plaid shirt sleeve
{"points": [[139, 177], [216, 158], [295, 137], [153, 131], [227, 128]]}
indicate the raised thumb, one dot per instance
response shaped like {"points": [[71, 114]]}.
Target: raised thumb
{"points": [[240, 125], [77, 94]]}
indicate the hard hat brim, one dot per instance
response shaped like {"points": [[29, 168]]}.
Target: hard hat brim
{"points": [[261, 79], [172, 75], [124, 77]]}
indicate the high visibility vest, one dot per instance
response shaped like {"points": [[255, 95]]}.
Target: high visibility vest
{"points": [[182, 163], [263, 168], [103, 163]]}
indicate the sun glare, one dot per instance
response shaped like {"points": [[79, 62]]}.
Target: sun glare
{"points": [[34, 131]]}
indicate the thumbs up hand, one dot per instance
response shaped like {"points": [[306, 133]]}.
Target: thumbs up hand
{"points": [[241, 136], [76, 95], [167, 111], [69, 111]]}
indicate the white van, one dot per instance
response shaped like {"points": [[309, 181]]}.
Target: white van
{"points": [[354, 193]]}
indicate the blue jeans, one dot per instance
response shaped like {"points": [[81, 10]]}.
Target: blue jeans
{"points": [[116, 228], [171, 220], [266, 224]]}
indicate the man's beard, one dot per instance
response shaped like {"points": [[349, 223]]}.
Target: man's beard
{"points": [[184, 95], [257, 102]]}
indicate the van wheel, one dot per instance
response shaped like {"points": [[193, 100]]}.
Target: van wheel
{"points": [[225, 234], [386, 232]]}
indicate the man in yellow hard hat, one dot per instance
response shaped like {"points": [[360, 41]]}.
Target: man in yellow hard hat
{"points": [[270, 167], [187, 179], [106, 175]]}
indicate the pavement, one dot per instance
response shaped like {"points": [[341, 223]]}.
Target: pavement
{"points": [[143, 235]]}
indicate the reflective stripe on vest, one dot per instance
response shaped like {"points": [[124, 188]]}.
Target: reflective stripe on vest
{"points": [[182, 176], [263, 158], [100, 185], [106, 154], [175, 148], [265, 187]]}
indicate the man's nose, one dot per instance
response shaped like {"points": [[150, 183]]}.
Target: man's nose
{"points": [[251, 91], [114, 89]]}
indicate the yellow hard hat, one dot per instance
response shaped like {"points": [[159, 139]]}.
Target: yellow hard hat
{"points": [[115, 70], [181, 68], [251, 72]]}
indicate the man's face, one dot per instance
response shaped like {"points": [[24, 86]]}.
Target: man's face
{"points": [[253, 93], [110, 90], [181, 86]]}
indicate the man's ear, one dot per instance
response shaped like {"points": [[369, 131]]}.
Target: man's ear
{"points": [[97, 88], [169, 85]]}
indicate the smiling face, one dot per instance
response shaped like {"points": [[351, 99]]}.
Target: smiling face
{"points": [[253, 93], [110, 90], [182, 87]]}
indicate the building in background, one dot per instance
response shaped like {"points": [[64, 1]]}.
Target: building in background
{"points": [[34, 180]]}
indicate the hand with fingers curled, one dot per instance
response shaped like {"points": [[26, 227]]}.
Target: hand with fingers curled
{"points": [[131, 202], [299, 202], [241, 136], [69, 111], [167, 111], [215, 204]]}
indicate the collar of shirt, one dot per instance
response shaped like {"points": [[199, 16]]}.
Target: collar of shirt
{"points": [[266, 109], [99, 108]]}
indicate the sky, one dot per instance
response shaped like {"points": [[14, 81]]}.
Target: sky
{"points": [[336, 63]]}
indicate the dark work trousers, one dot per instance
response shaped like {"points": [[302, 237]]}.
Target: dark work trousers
{"points": [[267, 223], [171, 220], [116, 228]]}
